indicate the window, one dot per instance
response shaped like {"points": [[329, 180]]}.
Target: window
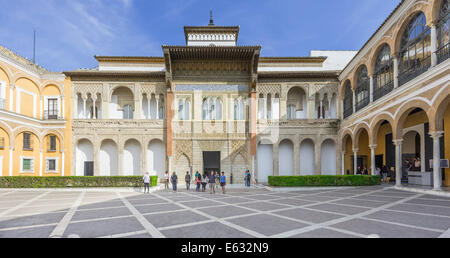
{"points": [[27, 142], [348, 100], [51, 165], [52, 143], [52, 109], [415, 49], [127, 112], [26, 165], [384, 73], [184, 109], [443, 32], [291, 112], [362, 89], [212, 109], [239, 109]]}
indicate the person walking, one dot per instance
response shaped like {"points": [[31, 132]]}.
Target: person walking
{"points": [[146, 180], [187, 178], [248, 177], [212, 183], [217, 179], [223, 182], [198, 181], [166, 180], [384, 173], [174, 181], [204, 182]]}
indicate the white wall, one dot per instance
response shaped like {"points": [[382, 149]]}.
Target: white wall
{"points": [[84, 153], [265, 162], [286, 159], [307, 158], [109, 159], [328, 156], [156, 158], [132, 159]]}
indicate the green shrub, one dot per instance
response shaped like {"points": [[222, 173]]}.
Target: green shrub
{"points": [[73, 181], [299, 181]]}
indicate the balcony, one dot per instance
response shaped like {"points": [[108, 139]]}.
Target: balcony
{"points": [[443, 53], [418, 68], [378, 93]]}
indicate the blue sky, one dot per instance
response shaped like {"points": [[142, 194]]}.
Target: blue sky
{"points": [[71, 32]]}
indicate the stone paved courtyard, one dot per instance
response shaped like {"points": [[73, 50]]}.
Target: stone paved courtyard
{"points": [[340, 213]]}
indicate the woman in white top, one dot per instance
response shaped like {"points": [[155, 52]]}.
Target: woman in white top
{"points": [[166, 180]]}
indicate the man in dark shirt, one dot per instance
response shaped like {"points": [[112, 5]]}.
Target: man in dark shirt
{"points": [[187, 179], [212, 183]]}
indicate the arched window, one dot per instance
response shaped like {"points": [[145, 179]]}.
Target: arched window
{"points": [[290, 112], [180, 109], [218, 109], [348, 100], [443, 30], [187, 110], [242, 110], [236, 109], [212, 108], [415, 49], [362, 89], [384, 73], [205, 109]]}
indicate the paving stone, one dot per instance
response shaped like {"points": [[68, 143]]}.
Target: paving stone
{"points": [[139, 236], [40, 232], [102, 213], [148, 201], [225, 212], [103, 227], [201, 204], [267, 225], [431, 222], [157, 208], [100, 205], [318, 198], [262, 197], [324, 233], [174, 218], [430, 202], [384, 230], [209, 230], [263, 206], [308, 215], [361, 203], [33, 220], [294, 202], [235, 200], [348, 210], [445, 211]]}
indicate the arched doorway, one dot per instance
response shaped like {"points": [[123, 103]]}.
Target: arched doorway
{"points": [[109, 159], [156, 158], [307, 158], [328, 158], [265, 162], [84, 158], [132, 158], [286, 158]]}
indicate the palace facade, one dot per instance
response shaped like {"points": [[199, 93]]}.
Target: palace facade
{"points": [[215, 105]]}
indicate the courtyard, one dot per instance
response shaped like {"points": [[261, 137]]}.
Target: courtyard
{"points": [[358, 212]]}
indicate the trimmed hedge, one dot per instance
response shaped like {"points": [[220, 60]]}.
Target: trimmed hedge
{"points": [[348, 180], [73, 181]]}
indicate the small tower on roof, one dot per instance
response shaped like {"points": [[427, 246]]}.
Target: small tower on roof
{"points": [[211, 21]]}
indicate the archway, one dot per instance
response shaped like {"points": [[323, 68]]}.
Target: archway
{"points": [[265, 162], [286, 158], [84, 158], [307, 158], [132, 158], [296, 104], [109, 159], [328, 158], [156, 158], [122, 104]]}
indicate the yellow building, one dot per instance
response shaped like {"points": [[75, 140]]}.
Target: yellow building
{"points": [[35, 129]]}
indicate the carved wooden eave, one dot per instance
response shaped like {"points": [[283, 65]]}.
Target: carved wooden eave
{"points": [[307, 74], [211, 30], [113, 74], [130, 59], [270, 60]]}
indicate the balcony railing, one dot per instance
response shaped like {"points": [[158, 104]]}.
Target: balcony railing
{"points": [[378, 93], [418, 68], [348, 112], [2, 103], [362, 104], [51, 115], [443, 53]]}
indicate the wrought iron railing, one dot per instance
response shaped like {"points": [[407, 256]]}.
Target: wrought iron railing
{"points": [[348, 112], [419, 67], [443, 53], [382, 91], [362, 104], [2, 103], [51, 115]]}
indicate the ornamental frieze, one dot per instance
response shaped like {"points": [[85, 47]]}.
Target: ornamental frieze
{"points": [[183, 148]]}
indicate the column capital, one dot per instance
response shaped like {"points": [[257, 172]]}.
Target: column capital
{"points": [[12, 86], [436, 135], [398, 142], [355, 150], [373, 147]]}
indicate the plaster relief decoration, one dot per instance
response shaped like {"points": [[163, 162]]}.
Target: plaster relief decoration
{"points": [[211, 145], [239, 148], [183, 148]]}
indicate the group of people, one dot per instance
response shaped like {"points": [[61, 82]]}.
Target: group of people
{"points": [[213, 179]]}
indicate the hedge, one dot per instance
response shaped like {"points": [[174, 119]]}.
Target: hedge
{"points": [[304, 181], [73, 181]]}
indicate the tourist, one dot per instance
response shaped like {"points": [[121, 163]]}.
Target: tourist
{"points": [[248, 177], [377, 171], [217, 179], [204, 182], [384, 173], [187, 178], [146, 183], [223, 182], [198, 181], [166, 180], [358, 171], [212, 183], [174, 181], [366, 172]]}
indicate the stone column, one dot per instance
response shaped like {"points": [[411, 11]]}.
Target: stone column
{"points": [[321, 110], [297, 157], [329, 107], [343, 163], [265, 108], [169, 132], [354, 101], [253, 123], [94, 107], [63, 165], [434, 45], [63, 114], [318, 158], [371, 88], [120, 165], [276, 162], [157, 107], [355, 161], [41, 106], [437, 177], [41, 158], [11, 96], [372, 157], [144, 157], [395, 63], [149, 108], [398, 162], [97, 158], [11, 164], [84, 107]]}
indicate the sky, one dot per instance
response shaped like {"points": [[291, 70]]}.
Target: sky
{"points": [[71, 32]]}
